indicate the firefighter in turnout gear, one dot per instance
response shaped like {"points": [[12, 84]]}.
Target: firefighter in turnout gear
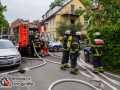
{"points": [[37, 45], [64, 41], [74, 51], [96, 51], [45, 49]]}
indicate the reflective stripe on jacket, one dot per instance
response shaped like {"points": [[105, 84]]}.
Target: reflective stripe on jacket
{"points": [[75, 45], [96, 50], [37, 44]]}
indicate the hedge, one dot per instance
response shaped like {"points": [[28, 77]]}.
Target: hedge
{"points": [[111, 52]]}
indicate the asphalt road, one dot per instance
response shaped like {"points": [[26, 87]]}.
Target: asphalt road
{"points": [[44, 76]]}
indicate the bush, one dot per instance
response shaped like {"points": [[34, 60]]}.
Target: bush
{"points": [[111, 53]]}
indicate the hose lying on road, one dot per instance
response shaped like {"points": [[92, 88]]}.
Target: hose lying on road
{"points": [[96, 77], [90, 66], [53, 84], [111, 80], [72, 80], [99, 78]]}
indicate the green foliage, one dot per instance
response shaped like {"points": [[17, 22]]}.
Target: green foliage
{"points": [[57, 2], [87, 3], [3, 22], [111, 56], [79, 12], [64, 26]]}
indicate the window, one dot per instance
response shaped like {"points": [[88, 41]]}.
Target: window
{"points": [[72, 9], [53, 35], [72, 21], [6, 44], [24, 26], [46, 26], [52, 23], [86, 23], [80, 8]]}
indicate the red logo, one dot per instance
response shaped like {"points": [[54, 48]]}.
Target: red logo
{"points": [[6, 82]]}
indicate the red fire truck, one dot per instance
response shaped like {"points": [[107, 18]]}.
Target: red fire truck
{"points": [[23, 33]]}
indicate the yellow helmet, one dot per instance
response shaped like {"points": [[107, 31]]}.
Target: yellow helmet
{"points": [[67, 32]]}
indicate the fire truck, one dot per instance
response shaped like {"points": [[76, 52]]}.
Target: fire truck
{"points": [[23, 32]]}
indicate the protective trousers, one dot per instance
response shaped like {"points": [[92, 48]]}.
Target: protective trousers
{"points": [[97, 63], [73, 58], [38, 50], [65, 57]]}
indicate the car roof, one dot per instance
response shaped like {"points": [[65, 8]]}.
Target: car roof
{"points": [[4, 40]]}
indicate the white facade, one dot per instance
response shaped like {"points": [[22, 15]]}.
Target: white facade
{"points": [[51, 12]]}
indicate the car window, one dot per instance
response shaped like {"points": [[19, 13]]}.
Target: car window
{"points": [[50, 39], [6, 44]]}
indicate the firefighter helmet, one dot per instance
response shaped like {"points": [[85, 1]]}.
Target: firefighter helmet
{"points": [[78, 33], [67, 32], [96, 34]]}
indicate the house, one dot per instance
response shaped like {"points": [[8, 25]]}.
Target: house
{"points": [[61, 13]]}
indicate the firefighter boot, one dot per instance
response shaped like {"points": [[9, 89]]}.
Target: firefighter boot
{"points": [[62, 67], [95, 70], [72, 71], [34, 54], [66, 65], [101, 70]]}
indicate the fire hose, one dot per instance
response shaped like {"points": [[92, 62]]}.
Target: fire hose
{"points": [[96, 78], [56, 82]]}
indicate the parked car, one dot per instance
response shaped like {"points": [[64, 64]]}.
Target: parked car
{"points": [[55, 46], [51, 39], [9, 55]]}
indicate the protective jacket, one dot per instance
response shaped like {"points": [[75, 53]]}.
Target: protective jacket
{"points": [[75, 45], [63, 41], [37, 43], [46, 44], [97, 47]]}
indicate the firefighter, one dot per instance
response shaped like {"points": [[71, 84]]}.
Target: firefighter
{"points": [[74, 51], [65, 50], [45, 49], [96, 50], [37, 45]]}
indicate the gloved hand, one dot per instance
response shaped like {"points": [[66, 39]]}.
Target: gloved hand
{"points": [[68, 48], [77, 53]]}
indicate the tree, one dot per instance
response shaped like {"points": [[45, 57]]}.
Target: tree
{"points": [[57, 2], [3, 22], [109, 14], [64, 26], [87, 3], [107, 22]]}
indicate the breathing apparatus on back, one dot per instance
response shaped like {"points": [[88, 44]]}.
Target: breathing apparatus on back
{"points": [[97, 40]]}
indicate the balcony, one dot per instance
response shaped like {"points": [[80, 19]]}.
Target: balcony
{"points": [[69, 13]]}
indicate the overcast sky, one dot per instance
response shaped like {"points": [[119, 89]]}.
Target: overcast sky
{"points": [[26, 9]]}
